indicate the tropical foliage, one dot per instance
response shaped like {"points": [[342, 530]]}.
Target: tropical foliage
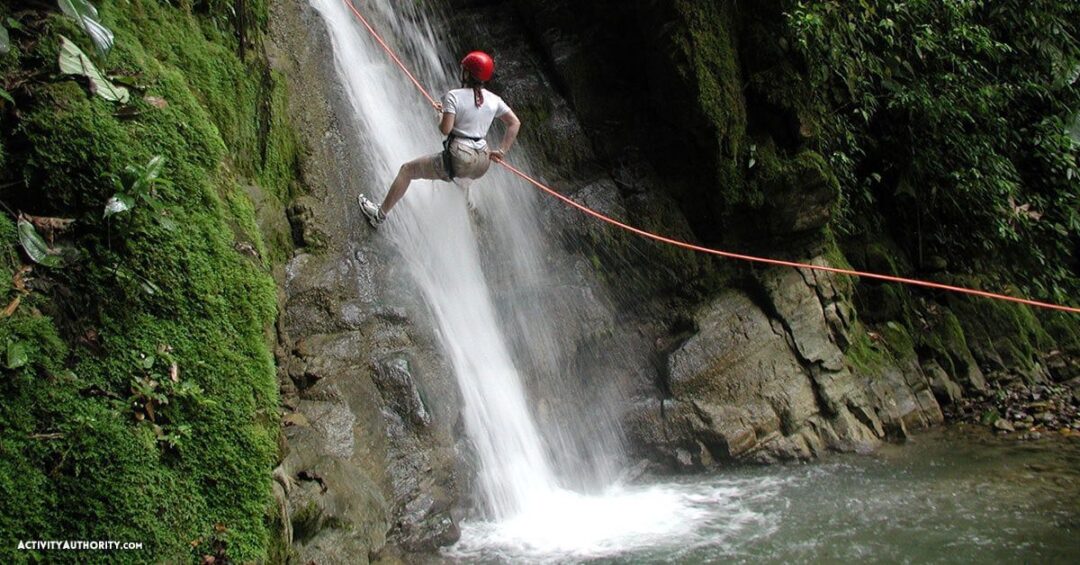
{"points": [[961, 119]]}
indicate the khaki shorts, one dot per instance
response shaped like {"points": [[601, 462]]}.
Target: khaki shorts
{"points": [[469, 163]]}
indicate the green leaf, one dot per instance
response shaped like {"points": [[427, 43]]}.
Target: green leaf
{"points": [[153, 168], [86, 14], [16, 355], [148, 361], [4, 94], [168, 223], [74, 62], [35, 246], [146, 176], [117, 204], [13, 24], [5, 41], [149, 287]]}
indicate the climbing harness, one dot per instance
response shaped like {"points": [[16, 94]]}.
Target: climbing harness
{"points": [[727, 254], [447, 159]]}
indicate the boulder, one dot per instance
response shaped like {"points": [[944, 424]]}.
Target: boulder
{"points": [[761, 394], [738, 357], [944, 388]]}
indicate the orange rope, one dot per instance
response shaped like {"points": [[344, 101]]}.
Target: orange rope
{"points": [[727, 254], [391, 53], [780, 262]]}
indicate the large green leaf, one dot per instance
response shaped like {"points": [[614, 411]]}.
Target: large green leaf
{"points": [[6, 96], [34, 246], [86, 14], [16, 355], [5, 41], [146, 175], [153, 168], [74, 62], [118, 203]]}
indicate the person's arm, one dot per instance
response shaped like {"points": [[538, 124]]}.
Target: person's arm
{"points": [[448, 110], [446, 125], [513, 124]]}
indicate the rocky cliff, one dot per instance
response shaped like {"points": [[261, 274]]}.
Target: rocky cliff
{"points": [[658, 114], [759, 364]]}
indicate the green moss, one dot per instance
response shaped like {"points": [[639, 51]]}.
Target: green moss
{"points": [[306, 521], [280, 162], [880, 302], [75, 462], [246, 227], [281, 551], [779, 178], [863, 355], [899, 342], [836, 258], [1000, 333], [945, 341], [1064, 329], [709, 61]]}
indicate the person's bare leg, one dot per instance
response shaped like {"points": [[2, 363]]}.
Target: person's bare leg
{"points": [[413, 170]]}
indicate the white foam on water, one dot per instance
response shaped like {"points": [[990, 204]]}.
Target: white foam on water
{"points": [[622, 521]]}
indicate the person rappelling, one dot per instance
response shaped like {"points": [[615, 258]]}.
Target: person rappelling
{"points": [[466, 115]]}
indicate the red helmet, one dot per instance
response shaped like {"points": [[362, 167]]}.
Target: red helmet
{"points": [[479, 65]]}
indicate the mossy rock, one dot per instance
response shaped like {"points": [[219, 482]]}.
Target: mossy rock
{"points": [[706, 57], [863, 355], [877, 301], [1064, 329], [1001, 335], [945, 340], [796, 194], [76, 462], [900, 343]]}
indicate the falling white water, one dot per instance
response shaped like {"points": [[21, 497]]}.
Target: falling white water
{"points": [[432, 230], [524, 494]]}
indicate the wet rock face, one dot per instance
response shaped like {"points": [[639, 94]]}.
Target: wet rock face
{"points": [[370, 409], [740, 375], [371, 420], [376, 459], [765, 378]]}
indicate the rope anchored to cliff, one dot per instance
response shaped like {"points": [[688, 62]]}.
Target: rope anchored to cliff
{"points": [[689, 246]]}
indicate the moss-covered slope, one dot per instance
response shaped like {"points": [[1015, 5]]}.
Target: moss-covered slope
{"points": [[141, 401]]}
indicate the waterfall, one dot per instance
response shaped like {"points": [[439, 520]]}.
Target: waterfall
{"points": [[501, 311], [436, 238]]}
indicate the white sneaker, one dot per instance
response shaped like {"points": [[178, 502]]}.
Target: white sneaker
{"points": [[371, 211]]}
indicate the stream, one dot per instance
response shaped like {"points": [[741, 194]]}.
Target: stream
{"points": [[958, 495]]}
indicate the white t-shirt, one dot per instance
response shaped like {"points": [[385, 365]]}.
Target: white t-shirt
{"points": [[470, 121]]}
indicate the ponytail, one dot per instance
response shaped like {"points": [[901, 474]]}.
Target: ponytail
{"points": [[477, 88]]}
